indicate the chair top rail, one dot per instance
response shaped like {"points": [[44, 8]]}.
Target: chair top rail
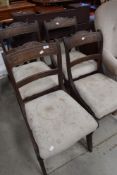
{"points": [[19, 28], [29, 51], [60, 22], [82, 38]]}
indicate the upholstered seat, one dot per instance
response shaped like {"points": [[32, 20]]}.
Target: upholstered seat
{"points": [[78, 70], [36, 86], [99, 92], [57, 122]]}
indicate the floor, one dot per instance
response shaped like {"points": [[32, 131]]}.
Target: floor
{"points": [[18, 158]]}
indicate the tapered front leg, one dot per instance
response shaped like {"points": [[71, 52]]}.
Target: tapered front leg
{"points": [[89, 142]]}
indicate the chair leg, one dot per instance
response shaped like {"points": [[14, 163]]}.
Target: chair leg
{"points": [[89, 142], [41, 162]]}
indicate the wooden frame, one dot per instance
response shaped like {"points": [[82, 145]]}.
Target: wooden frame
{"points": [[77, 40], [18, 29]]}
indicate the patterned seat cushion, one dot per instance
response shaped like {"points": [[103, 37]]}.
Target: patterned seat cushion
{"points": [[99, 92], [36, 86], [57, 122], [79, 69]]}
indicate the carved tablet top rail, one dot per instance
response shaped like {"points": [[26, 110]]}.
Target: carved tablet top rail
{"points": [[60, 22]]}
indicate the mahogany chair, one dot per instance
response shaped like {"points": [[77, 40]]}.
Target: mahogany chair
{"points": [[22, 32], [52, 128], [96, 92]]}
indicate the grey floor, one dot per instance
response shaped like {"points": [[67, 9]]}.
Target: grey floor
{"points": [[18, 158]]}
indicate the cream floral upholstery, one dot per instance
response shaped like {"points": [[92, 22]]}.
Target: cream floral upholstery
{"points": [[79, 69], [36, 86], [99, 92], [106, 21], [57, 122]]}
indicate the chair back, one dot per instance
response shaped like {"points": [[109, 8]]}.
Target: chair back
{"points": [[18, 29], [28, 52], [80, 39], [60, 25]]}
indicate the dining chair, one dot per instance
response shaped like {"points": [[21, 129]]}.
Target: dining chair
{"points": [[54, 119], [96, 91]]}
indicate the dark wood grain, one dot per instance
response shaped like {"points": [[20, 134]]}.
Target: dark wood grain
{"points": [[83, 38]]}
